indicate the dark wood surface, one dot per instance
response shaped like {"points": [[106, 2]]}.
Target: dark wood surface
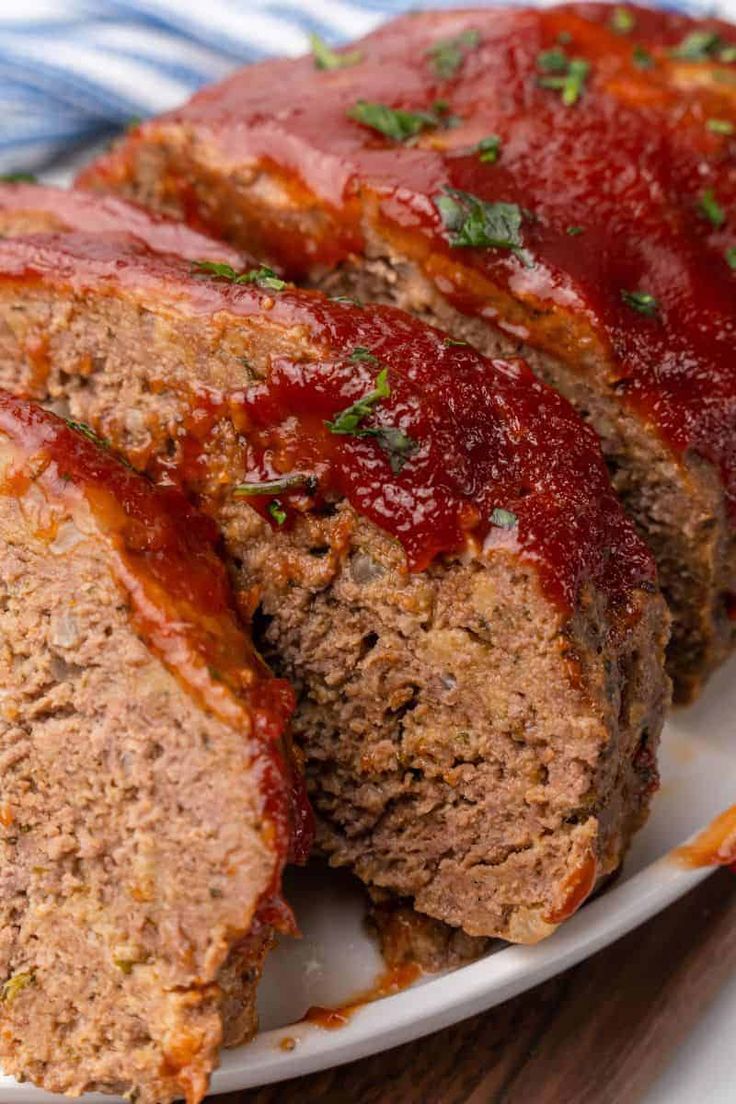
{"points": [[598, 1034]]}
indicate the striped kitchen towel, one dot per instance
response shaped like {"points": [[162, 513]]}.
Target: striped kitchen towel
{"points": [[74, 71]]}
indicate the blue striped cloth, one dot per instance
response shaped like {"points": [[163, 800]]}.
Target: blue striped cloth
{"points": [[73, 71]]}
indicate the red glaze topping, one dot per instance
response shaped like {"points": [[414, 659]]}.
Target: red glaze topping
{"points": [[180, 596], [714, 846], [640, 159], [498, 460], [75, 210]]}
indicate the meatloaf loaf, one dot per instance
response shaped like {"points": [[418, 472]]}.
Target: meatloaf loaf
{"points": [[144, 815], [427, 543], [555, 183]]}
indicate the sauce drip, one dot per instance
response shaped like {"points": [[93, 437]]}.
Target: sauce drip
{"points": [[714, 846], [390, 982]]}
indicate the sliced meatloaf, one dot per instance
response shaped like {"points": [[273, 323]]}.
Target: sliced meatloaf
{"points": [[428, 546], [555, 183], [144, 815]]}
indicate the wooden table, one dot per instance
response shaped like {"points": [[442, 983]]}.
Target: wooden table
{"points": [[598, 1034]]}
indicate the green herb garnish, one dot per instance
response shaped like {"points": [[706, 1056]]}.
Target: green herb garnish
{"points": [[88, 432], [622, 20], [710, 208], [15, 985], [277, 511], [360, 353], [641, 57], [396, 123], [447, 55], [264, 277], [276, 486], [473, 222], [642, 302], [489, 149], [327, 58], [727, 55], [393, 440], [720, 126], [697, 46], [455, 341], [730, 256], [18, 178], [503, 519], [569, 76], [573, 231]]}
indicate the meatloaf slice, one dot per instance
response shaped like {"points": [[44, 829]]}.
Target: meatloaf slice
{"points": [[553, 183], [428, 544], [144, 817]]}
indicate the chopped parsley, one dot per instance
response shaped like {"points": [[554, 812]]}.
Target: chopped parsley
{"points": [[277, 511], [18, 178], [15, 985], [360, 353], [87, 431], [473, 222], [398, 124], [730, 256], [327, 58], [562, 74], [623, 20], [573, 231], [454, 341], [727, 55], [720, 126], [394, 441], [263, 276], [489, 149], [697, 46], [276, 486], [503, 519], [642, 302], [641, 57], [447, 55], [346, 299], [710, 208]]}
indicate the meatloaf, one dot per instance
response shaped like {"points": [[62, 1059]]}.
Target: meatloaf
{"points": [[554, 183], [145, 810], [427, 544]]}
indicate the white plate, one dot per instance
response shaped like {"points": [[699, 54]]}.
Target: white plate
{"points": [[336, 960]]}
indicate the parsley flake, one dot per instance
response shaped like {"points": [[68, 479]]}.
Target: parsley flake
{"points": [[489, 149], [573, 231], [473, 222], [327, 58], [641, 57], [697, 46], [622, 20], [447, 55], [503, 519], [710, 208], [398, 124], [727, 55], [276, 486], [564, 75], [361, 353], [394, 441], [450, 341], [263, 276], [18, 178], [730, 256], [642, 302], [720, 126], [277, 511]]}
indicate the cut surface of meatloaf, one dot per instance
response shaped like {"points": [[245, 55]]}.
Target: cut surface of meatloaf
{"points": [[429, 547], [553, 183], [145, 814]]}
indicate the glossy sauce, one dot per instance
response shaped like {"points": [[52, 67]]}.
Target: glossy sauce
{"points": [[488, 435], [714, 846], [629, 163], [180, 598]]}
